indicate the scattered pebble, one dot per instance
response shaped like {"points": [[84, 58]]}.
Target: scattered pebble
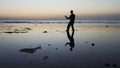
{"points": [[86, 42], [107, 64], [49, 44], [45, 57], [114, 65], [44, 31], [106, 26], [30, 62], [28, 28], [56, 48], [93, 44]]}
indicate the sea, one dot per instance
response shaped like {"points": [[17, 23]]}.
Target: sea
{"points": [[60, 21]]}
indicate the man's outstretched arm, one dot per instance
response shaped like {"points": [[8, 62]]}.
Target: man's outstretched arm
{"points": [[67, 17]]}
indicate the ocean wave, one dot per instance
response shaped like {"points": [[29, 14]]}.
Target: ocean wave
{"points": [[59, 21]]}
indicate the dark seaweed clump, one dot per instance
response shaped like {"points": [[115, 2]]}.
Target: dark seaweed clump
{"points": [[30, 50]]}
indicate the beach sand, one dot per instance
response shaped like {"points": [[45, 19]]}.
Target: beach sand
{"points": [[26, 45]]}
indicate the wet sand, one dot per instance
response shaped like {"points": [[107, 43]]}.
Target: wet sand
{"points": [[49, 46]]}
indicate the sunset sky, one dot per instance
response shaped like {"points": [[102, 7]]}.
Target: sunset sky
{"points": [[57, 8]]}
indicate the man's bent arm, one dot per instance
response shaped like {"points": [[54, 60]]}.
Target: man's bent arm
{"points": [[67, 17]]}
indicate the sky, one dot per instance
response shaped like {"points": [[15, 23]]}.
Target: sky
{"points": [[57, 8]]}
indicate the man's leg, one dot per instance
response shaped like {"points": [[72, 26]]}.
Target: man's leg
{"points": [[68, 27], [73, 27]]}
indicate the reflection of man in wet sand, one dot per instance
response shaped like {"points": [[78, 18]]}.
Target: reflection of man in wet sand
{"points": [[71, 23], [71, 39]]}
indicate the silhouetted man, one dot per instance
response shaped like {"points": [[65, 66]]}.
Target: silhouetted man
{"points": [[72, 19]]}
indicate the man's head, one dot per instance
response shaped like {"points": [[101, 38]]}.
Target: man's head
{"points": [[71, 11]]}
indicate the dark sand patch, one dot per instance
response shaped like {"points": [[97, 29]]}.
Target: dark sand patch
{"points": [[30, 50], [10, 31]]}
